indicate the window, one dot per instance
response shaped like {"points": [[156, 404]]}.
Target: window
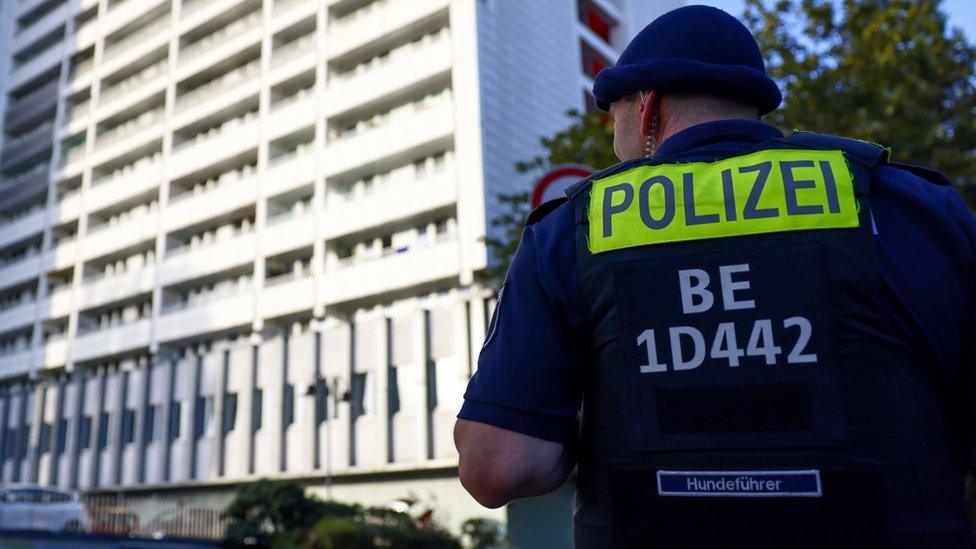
{"points": [[592, 61], [393, 391], [230, 412], [44, 445], [25, 430], [62, 435], [149, 430], [359, 406], [288, 405], [128, 426], [439, 162], [175, 419], [321, 401], [9, 443], [595, 19], [203, 417], [84, 433], [257, 409], [103, 431]]}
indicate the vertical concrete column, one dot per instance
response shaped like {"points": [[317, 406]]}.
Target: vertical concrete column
{"points": [[247, 404], [59, 424], [219, 402], [97, 426], [77, 381], [193, 401], [117, 442], [5, 395], [40, 392], [141, 423]]}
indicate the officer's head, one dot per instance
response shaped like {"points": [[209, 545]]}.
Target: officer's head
{"points": [[690, 65]]}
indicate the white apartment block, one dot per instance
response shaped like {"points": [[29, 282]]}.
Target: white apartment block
{"points": [[239, 238]]}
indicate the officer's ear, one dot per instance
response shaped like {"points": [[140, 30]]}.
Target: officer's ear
{"points": [[650, 112]]}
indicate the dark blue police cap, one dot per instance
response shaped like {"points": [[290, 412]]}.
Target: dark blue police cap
{"points": [[693, 49]]}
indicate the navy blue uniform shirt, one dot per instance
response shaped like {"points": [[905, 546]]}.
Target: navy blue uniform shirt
{"points": [[531, 366]]}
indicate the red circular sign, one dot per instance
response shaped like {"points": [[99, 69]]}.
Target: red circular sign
{"points": [[574, 172]]}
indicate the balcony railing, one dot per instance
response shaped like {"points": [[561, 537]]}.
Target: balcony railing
{"points": [[302, 273], [126, 129], [200, 244], [292, 49], [420, 47], [281, 6], [29, 254], [219, 85], [131, 215], [134, 81], [301, 94], [77, 112], [194, 50], [226, 289], [144, 163], [359, 259], [225, 179], [24, 176], [360, 13], [72, 154], [216, 132], [45, 127], [140, 35], [83, 68], [20, 214]]}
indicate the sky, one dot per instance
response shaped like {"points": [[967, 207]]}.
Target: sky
{"points": [[962, 13]]}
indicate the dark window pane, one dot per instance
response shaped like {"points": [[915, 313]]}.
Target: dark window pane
{"points": [[128, 426], [358, 394], [149, 425], [393, 390], [174, 420], [103, 431], [24, 440], [44, 445], [200, 417], [84, 433], [288, 404], [62, 435], [230, 412], [257, 409], [321, 401]]}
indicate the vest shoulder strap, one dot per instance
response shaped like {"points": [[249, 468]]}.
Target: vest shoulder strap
{"points": [[928, 174], [862, 152], [544, 209]]}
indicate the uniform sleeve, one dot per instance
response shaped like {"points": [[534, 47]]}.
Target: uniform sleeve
{"points": [[966, 222], [527, 376]]}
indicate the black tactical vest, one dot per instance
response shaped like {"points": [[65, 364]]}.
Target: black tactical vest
{"points": [[751, 389]]}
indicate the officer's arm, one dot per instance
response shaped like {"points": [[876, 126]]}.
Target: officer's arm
{"points": [[497, 465]]}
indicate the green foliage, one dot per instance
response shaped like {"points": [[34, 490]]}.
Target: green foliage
{"points": [[887, 71], [378, 527], [588, 140], [278, 514]]}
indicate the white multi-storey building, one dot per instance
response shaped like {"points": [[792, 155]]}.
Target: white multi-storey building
{"points": [[238, 238]]}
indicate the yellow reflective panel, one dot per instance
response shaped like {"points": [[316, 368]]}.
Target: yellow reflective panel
{"points": [[763, 192]]}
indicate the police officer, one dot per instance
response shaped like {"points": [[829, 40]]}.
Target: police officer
{"points": [[740, 338]]}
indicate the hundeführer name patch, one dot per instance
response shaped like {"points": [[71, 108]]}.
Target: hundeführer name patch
{"points": [[783, 484], [763, 192]]}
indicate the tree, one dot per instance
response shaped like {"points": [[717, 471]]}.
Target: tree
{"points": [[886, 71], [588, 140], [276, 513]]}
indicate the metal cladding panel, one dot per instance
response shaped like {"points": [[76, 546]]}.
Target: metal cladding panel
{"points": [[404, 337], [29, 189], [369, 344], [267, 440]]}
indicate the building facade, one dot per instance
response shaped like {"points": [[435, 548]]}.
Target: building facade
{"points": [[239, 238]]}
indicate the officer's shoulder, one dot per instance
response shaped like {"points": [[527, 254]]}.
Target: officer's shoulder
{"points": [[544, 209], [922, 172], [577, 188]]}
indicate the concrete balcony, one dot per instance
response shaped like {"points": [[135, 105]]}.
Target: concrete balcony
{"points": [[127, 336], [135, 47], [289, 117], [220, 314], [99, 291], [398, 200], [86, 35], [61, 256], [111, 190], [32, 106], [406, 68], [186, 263], [15, 272], [219, 45], [67, 208], [15, 364], [39, 29], [24, 146], [52, 353], [195, 208], [287, 294], [16, 316], [106, 239], [72, 162], [56, 304], [76, 119], [229, 142], [22, 227], [287, 232], [289, 173], [132, 90], [126, 140], [300, 52], [390, 272], [389, 16], [224, 90], [33, 68], [400, 135]]}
